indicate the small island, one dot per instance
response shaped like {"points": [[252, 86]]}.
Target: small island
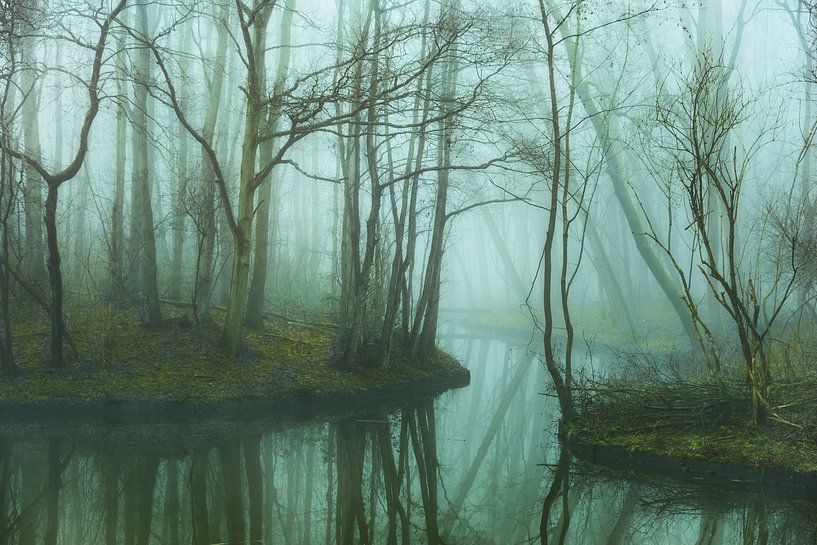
{"points": [[699, 431], [179, 369]]}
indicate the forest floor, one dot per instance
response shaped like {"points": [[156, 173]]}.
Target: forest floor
{"points": [[115, 360], [702, 431]]}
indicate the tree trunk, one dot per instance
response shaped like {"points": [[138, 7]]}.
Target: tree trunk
{"points": [[561, 382], [206, 209], [429, 303], [257, 293], [178, 221], [616, 171], [255, 90], [117, 251], [34, 258], [7, 201], [54, 279], [143, 236]]}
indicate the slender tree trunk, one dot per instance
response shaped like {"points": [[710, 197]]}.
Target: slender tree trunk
{"points": [[560, 382], [34, 258], [117, 250], [143, 236], [429, 303], [257, 293], [54, 279], [7, 362], [350, 153], [206, 210], [178, 217], [402, 259]]}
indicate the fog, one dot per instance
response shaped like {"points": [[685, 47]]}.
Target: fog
{"points": [[556, 193], [618, 68]]}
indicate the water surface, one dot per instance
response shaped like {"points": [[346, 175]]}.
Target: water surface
{"points": [[479, 465]]}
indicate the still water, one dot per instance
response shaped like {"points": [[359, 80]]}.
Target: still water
{"points": [[479, 465]]}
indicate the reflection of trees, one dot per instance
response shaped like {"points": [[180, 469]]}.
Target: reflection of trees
{"points": [[416, 440], [379, 485], [557, 500], [604, 509], [198, 499], [350, 510], [370, 480], [504, 440], [755, 524]]}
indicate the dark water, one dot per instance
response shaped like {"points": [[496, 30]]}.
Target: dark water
{"points": [[475, 466]]}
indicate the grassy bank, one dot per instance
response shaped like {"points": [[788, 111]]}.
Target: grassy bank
{"points": [[704, 423], [117, 360]]}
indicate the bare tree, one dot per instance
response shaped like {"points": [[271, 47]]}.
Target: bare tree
{"points": [[705, 114], [55, 179]]}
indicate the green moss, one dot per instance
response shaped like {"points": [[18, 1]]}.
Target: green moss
{"points": [[117, 359], [639, 427]]}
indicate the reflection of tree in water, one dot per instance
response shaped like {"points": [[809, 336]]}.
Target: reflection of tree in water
{"points": [[592, 508], [556, 501], [414, 464], [373, 479], [378, 484]]}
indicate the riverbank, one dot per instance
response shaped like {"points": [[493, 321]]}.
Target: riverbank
{"points": [[700, 432], [121, 368]]}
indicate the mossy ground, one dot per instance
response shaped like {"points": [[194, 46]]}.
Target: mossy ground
{"points": [[714, 429], [117, 359]]}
